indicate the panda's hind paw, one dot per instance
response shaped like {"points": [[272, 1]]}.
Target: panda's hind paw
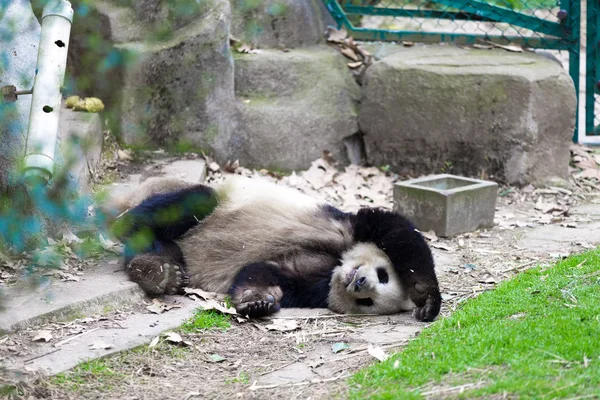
{"points": [[173, 279]]}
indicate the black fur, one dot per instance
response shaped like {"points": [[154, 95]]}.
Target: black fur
{"points": [[162, 218], [304, 291]]}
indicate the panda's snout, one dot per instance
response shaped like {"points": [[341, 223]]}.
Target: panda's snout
{"points": [[360, 282]]}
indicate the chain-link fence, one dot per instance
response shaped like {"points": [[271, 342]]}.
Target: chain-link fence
{"points": [[553, 25], [590, 51]]}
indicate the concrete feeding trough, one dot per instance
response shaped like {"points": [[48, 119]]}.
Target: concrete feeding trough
{"points": [[447, 204]]}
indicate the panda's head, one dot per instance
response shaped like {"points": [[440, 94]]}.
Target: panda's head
{"points": [[367, 283]]}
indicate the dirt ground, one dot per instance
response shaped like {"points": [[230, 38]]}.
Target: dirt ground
{"points": [[251, 360]]}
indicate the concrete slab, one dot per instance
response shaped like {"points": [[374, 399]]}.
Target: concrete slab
{"points": [[100, 287], [558, 239], [137, 330], [586, 209], [193, 171]]}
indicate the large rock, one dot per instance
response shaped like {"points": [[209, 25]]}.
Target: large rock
{"points": [[20, 32], [279, 23], [180, 89], [293, 106], [440, 108]]}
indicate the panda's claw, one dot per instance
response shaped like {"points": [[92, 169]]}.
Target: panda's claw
{"points": [[172, 279], [257, 309]]}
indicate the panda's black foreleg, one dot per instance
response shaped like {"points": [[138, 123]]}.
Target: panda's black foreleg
{"points": [[158, 272], [256, 290]]}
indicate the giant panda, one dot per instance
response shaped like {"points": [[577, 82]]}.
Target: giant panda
{"points": [[270, 246]]}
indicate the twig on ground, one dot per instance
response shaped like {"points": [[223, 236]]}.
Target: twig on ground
{"points": [[40, 356], [314, 381], [75, 337]]}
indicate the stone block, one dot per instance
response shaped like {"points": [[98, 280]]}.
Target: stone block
{"points": [[280, 23], [293, 106], [447, 204], [474, 112], [179, 91]]}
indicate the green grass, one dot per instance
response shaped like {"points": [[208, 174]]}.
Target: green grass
{"points": [[10, 392], [242, 377], [91, 371], [206, 319], [534, 336]]}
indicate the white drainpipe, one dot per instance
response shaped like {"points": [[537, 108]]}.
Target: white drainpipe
{"points": [[42, 132]]}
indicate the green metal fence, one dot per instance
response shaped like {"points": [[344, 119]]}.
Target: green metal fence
{"points": [[553, 25]]}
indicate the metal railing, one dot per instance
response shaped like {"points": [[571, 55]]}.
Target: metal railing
{"points": [[553, 25]]}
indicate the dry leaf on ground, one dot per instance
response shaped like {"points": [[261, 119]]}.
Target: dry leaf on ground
{"points": [[42, 336], [283, 325]]}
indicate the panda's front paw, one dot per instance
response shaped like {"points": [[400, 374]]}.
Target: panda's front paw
{"points": [[429, 311], [258, 308]]}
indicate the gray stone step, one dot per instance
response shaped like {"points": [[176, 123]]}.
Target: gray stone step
{"points": [[100, 286], [136, 330]]}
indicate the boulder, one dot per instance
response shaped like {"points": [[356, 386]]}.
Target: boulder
{"points": [[20, 38], [279, 23], [293, 105], [180, 89], [431, 109]]}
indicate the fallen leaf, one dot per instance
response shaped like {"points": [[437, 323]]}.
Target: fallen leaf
{"points": [[430, 235], [108, 244], [213, 167], [336, 36], [215, 305], [377, 352], [70, 237], [158, 306], [100, 345], [204, 295], [406, 43], [283, 325], [351, 54], [173, 337], [124, 155], [339, 346], [154, 342], [216, 358], [42, 336], [513, 48], [442, 246]]}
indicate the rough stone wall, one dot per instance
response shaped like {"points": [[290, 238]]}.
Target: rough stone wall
{"points": [[421, 110], [20, 33], [469, 112]]}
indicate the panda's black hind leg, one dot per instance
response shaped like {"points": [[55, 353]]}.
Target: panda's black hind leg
{"points": [[156, 274]]}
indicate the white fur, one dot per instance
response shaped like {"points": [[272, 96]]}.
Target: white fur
{"points": [[388, 298]]}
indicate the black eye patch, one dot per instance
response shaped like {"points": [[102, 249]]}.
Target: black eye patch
{"points": [[382, 275], [368, 302]]}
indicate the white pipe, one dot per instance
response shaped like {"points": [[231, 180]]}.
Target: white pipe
{"points": [[42, 132]]}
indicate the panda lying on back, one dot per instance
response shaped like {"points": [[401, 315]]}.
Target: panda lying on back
{"points": [[269, 247]]}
